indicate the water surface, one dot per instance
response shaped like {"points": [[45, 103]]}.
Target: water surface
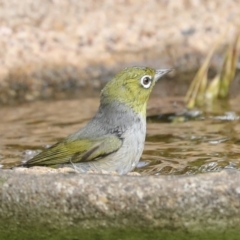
{"points": [[209, 141]]}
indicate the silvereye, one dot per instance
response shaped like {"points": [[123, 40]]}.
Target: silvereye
{"points": [[114, 139]]}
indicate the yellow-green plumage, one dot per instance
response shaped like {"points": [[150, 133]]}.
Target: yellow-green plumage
{"points": [[129, 92], [78, 150], [114, 139]]}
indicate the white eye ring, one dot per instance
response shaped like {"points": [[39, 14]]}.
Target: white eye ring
{"points": [[146, 81]]}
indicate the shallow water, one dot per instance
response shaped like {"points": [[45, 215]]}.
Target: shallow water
{"points": [[184, 144]]}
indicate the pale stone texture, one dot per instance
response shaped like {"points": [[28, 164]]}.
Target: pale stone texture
{"points": [[50, 47], [65, 205]]}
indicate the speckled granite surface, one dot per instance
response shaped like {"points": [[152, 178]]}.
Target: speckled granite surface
{"points": [[52, 47], [63, 205]]}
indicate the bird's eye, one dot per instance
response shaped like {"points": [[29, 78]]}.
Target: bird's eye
{"points": [[146, 81]]}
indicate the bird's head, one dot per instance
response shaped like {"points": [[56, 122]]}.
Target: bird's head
{"points": [[132, 87]]}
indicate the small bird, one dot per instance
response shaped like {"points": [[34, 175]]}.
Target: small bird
{"points": [[113, 140]]}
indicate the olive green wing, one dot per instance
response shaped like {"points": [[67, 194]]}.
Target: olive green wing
{"points": [[81, 150]]}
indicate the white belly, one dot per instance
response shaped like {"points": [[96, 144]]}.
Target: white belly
{"points": [[132, 148], [127, 157]]}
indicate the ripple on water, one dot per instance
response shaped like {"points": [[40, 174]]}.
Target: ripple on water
{"points": [[189, 144]]}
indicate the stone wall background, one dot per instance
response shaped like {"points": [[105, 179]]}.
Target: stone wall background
{"points": [[52, 48]]}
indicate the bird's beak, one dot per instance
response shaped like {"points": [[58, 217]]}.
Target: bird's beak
{"points": [[160, 72]]}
